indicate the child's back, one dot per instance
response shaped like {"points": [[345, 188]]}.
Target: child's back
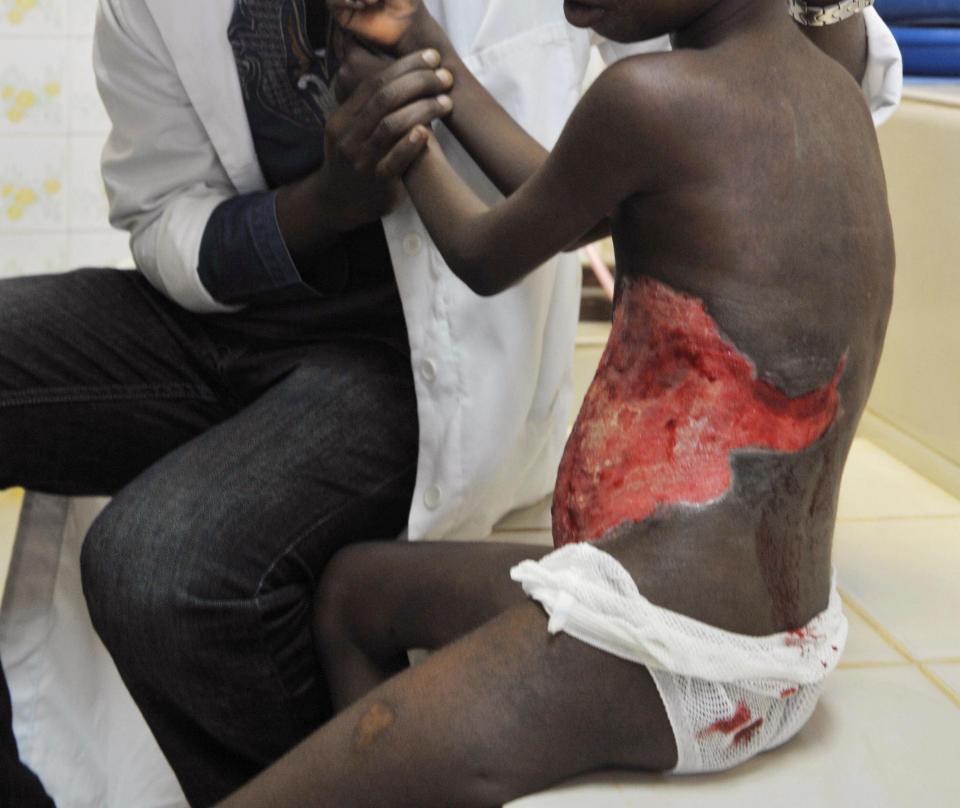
{"points": [[755, 278]]}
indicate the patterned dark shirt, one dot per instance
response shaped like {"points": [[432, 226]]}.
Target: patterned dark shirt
{"points": [[286, 74]]}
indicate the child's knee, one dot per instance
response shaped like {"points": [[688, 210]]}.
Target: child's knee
{"points": [[344, 604]]}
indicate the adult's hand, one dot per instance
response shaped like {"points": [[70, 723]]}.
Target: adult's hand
{"points": [[369, 142]]}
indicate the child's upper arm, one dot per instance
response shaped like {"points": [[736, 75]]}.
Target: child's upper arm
{"points": [[610, 149]]}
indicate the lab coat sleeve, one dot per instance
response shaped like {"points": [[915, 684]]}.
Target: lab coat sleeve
{"points": [[162, 175], [882, 83]]}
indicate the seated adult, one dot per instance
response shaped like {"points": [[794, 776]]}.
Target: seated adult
{"points": [[688, 619]]}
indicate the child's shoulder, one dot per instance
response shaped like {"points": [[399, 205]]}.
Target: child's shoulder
{"points": [[660, 102]]}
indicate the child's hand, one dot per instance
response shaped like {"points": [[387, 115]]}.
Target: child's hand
{"points": [[383, 22], [357, 64]]}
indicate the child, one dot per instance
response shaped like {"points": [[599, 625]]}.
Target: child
{"points": [[741, 179]]}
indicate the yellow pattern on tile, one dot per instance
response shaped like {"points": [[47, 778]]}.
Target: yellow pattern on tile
{"points": [[18, 10], [23, 100], [23, 197]]}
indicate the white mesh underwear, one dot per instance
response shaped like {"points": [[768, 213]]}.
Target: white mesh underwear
{"points": [[728, 696]]}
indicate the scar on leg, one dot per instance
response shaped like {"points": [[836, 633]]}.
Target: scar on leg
{"points": [[378, 718], [673, 398]]}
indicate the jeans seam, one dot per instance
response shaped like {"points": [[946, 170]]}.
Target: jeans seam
{"points": [[326, 517], [77, 395], [290, 548]]}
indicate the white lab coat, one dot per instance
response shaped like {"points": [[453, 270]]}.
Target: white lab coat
{"points": [[493, 376]]}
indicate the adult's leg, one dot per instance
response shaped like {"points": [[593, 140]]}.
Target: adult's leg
{"points": [[99, 377], [215, 551], [503, 712]]}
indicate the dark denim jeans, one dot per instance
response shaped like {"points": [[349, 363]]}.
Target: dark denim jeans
{"points": [[242, 451]]}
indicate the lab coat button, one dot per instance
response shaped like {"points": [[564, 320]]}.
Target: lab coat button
{"points": [[432, 497], [413, 245], [428, 369]]}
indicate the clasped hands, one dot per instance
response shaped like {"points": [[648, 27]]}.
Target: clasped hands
{"points": [[390, 90]]}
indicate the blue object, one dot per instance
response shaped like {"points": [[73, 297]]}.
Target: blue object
{"points": [[929, 51], [920, 12]]}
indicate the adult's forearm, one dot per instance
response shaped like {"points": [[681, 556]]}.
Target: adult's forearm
{"points": [[304, 215], [846, 42]]}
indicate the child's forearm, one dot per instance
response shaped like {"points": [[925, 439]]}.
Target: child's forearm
{"points": [[498, 144], [455, 217]]}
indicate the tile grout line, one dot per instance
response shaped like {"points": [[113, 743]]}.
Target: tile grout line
{"points": [[889, 663], [887, 637], [941, 661], [937, 682], [871, 621]]}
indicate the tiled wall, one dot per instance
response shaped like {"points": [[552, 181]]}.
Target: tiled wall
{"points": [[53, 210]]}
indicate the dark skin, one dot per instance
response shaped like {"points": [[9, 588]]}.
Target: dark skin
{"points": [[359, 181], [743, 171]]}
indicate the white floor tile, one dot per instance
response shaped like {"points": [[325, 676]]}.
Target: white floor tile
{"points": [[905, 574], [864, 645], [878, 486], [949, 675], [881, 738], [590, 792]]}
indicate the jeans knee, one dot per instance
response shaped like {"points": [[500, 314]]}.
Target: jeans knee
{"points": [[130, 596], [100, 574]]}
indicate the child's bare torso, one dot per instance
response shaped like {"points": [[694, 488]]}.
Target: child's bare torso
{"points": [[753, 294]]}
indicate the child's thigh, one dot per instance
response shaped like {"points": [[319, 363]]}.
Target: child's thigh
{"points": [[508, 710], [531, 709], [419, 595]]}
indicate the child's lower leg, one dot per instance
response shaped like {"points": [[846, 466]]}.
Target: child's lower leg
{"points": [[377, 601]]}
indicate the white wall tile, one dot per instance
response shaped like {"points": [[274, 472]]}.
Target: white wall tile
{"points": [[87, 204], [53, 210], [32, 97], [108, 248], [33, 17], [32, 255], [32, 184], [81, 18], [86, 111]]}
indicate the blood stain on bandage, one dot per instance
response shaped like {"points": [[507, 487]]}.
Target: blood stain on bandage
{"points": [[746, 734], [795, 638], [728, 726], [790, 691], [671, 400]]}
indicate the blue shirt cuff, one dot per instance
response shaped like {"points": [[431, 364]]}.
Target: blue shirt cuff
{"points": [[243, 257]]}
